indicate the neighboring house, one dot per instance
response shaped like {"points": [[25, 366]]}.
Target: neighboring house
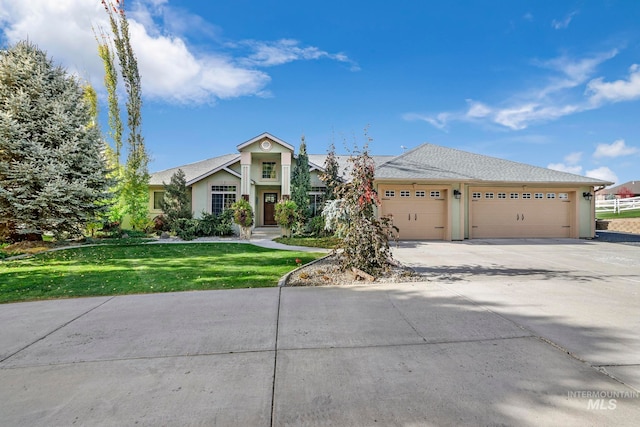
{"points": [[628, 189], [431, 192]]}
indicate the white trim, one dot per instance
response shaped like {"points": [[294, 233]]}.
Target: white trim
{"points": [[212, 171], [262, 136]]}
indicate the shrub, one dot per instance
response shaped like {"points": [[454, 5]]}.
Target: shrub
{"points": [[211, 224], [315, 227], [161, 223], [242, 213], [185, 228], [286, 213]]}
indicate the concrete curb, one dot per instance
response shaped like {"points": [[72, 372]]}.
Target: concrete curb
{"points": [[284, 279]]}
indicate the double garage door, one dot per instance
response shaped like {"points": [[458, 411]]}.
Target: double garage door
{"points": [[518, 213], [418, 212]]}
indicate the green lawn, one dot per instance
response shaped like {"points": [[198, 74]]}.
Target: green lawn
{"points": [[624, 214], [314, 242], [119, 270]]}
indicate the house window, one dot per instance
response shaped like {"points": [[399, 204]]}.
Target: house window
{"points": [[551, 195], [316, 200], [502, 195], [158, 197], [526, 195], [389, 193], [434, 194], [476, 195], [421, 193], [405, 193], [488, 195], [514, 195], [268, 170], [539, 196], [222, 197]]}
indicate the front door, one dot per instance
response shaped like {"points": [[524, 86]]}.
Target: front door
{"points": [[269, 210]]}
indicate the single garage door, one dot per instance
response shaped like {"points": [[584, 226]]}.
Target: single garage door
{"points": [[518, 213], [419, 213]]}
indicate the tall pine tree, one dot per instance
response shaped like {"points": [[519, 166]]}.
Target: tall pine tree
{"points": [[52, 171], [301, 182]]}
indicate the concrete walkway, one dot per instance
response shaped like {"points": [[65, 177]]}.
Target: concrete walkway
{"points": [[504, 333]]}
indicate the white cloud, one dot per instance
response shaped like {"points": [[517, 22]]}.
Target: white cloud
{"points": [[564, 23], [268, 54], [551, 99], [576, 169], [603, 173], [477, 109], [617, 148], [617, 91], [573, 158], [170, 69], [440, 121]]}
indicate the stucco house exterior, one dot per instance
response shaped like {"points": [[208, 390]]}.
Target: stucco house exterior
{"points": [[431, 192]]}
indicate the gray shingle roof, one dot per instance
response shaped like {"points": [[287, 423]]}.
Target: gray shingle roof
{"points": [[434, 162], [633, 186], [343, 161], [193, 170]]}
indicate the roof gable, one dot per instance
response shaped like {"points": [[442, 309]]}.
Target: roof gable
{"points": [[255, 144], [195, 171]]}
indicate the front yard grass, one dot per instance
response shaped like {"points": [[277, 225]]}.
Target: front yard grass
{"points": [[143, 268], [314, 242], [635, 213]]}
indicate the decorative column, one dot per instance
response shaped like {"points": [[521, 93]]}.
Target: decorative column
{"points": [[285, 162], [245, 180]]}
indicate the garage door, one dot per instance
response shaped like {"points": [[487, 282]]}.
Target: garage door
{"points": [[514, 213], [419, 214]]}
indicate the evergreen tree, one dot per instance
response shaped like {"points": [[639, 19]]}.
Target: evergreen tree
{"points": [[177, 202], [135, 185], [331, 175], [301, 183], [52, 171]]}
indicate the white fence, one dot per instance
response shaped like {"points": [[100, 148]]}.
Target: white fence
{"points": [[618, 205]]}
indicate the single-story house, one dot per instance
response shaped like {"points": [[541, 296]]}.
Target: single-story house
{"points": [[628, 189], [431, 192]]}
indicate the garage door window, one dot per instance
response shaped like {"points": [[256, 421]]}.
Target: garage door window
{"points": [[539, 196], [434, 194], [563, 196], [488, 195], [514, 195], [420, 194], [551, 195], [526, 195], [389, 193], [476, 195], [404, 193], [502, 195]]}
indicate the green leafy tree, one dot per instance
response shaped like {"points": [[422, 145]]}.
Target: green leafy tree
{"points": [[301, 183], [116, 129], [135, 186], [52, 171], [331, 175], [177, 200]]}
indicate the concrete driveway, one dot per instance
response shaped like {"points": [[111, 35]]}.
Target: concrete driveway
{"points": [[502, 333]]}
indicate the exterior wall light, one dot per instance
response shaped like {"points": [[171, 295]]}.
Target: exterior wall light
{"points": [[587, 195], [457, 194]]}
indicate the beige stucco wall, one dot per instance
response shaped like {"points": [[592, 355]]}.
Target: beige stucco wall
{"points": [[201, 191]]}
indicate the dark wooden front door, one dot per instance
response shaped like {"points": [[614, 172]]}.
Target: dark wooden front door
{"points": [[270, 200]]}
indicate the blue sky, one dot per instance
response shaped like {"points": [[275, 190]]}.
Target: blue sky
{"points": [[549, 83]]}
